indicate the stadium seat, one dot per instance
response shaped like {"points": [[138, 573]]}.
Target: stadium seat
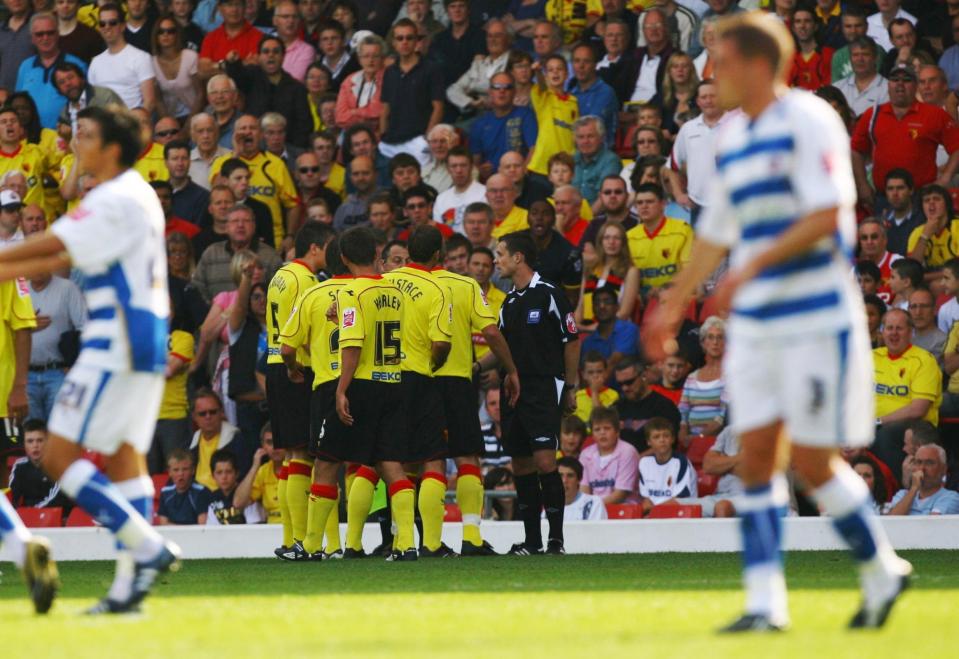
{"points": [[710, 308], [706, 483], [41, 518], [11, 459], [697, 449], [79, 517], [453, 513], [671, 511], [160, 481], [624, 511]]}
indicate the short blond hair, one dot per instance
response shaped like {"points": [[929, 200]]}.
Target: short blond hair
{"points": [[759, 34]]}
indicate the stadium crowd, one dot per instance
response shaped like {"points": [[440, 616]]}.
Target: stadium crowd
{"points": [[588, 124]]}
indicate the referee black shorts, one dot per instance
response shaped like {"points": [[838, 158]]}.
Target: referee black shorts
{"points": [[11, 436], [377, 432], [425, 421], [322, 405], [289, 407], [461, 409], [533, 425]]}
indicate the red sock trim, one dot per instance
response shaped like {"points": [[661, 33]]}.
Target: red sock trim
{"points": [[300, 469], [323, 491], [368, 474], [284, 473], [399, 486], [469, 470], [352, 468], [435, 475]]}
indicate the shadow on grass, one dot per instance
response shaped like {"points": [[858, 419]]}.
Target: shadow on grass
{"points": [[593, 573]]}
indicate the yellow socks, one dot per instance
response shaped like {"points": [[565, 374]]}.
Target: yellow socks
{"points": [[469, 496], [401, 497], [358, 506], [284, 508], [322, 508], [431, 503], [332, 532], [298, 479]]}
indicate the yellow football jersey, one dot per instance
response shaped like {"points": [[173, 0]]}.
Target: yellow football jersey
{"points": [[952, 343], [16, 313], [151, 165], [899, 380], [266, 490], [494, 298], [570, 16], [336, 181], [471, 313], [661, 254], [270, 182], [941, 248], [516, 220], [286, 290], [370, 311], [555, 114], [584, 402], [309, 327], [427, 315], [28, 158], [175, 404]]}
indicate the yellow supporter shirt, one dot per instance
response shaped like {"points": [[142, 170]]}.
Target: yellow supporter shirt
{"points": [[941, 248], [661, 254], [151, 165], [336, 181], [494, 298], [65, 166], [515, 220], [175, 404], [28, 158], [370, 311], [951, 344], [570, 16], [205, 450], [309, 327], [286, 290], [471, 313], [53, 147], [584, 402], [266, 490], [427, 315], [555, 114], [270, 182], [16, 313], [899, 380]]}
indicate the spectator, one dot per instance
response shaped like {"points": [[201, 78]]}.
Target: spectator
{"points": [[934, 243], [572, 436], [811, 68], [864, 87], [71, 83], [918, 433], [556, 259], [29, 485], [649, 70], [639, 403], [236, 174], [907, 46], [708, 40], [922, 309], [214, 433], [908, 387], [556, 111], [612, 336], [125, 69], [297, 53], [470, 91], [354, 209], [15, 41], [838, 103], [507, 216], [682, 21], [875, 309], [868, 470], [457, 254], [418, 206], [457, 47], [394, 255], [76, 38], [568, 203], [950, 56], [673, 373], [873, 247], [529, 189], [331, 175], [273, 127], [478, 225], [901, 216], [182, 11], [502, 128], [659, 246], [879, 22], [441, 138], [175, 66], [500, 481], [412, 97], [494, 455], [221, 90], [235, 36], [451, 204], [382, 214], [868, 277], [183, 501], [35, 75], [336, 58], [318, 210], [703, 403], [721, 460], [166, 130], [926, 494], [223, 509], [614, 207], [854, 27], [594, 162], [610, 466], [360, 97], [189, 199], [677, 98], [139, 24], [520, 66], [613, 268], [405, 174], [174, 224], [950, 361], [618, 64], [19, 159], [828, 15], [261, 483], [317, 83], [595, 393], [665, 475], [580, 505], [309, 185], [595, 97], [934, 90], [906, 277], [521, 19]]}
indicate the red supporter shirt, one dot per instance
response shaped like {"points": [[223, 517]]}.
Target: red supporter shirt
{"points": [[445, 230], [179, 225], [217, 45], [910, 142], [813, 73], [575, 233]]}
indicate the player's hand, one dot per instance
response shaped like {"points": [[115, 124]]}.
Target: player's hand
{"points": [[343, 409], [916, 480], [659, 332], [728, 287], [43, 322], [17, 403], [295, 374], [511, 385]]}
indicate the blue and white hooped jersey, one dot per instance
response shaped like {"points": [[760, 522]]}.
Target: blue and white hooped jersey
{"points": [[789, 162], [116, 238]]}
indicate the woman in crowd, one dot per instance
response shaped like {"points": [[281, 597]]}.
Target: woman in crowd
{"points": [[359, 96], [520, 66], [838, 101], [615, 268], [678, 95], [181, 92], [702, 406], [707, 36], [344, 12], [317, 81], [867, 468]]}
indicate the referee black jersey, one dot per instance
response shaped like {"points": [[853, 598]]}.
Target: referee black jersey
{"points": [[537, 322]]}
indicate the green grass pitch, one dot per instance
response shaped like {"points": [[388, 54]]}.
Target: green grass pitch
{"points": [[661, 606]]}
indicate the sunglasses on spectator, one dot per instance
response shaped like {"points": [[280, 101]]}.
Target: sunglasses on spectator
{"points": [[207, 412], [613, 192], [408, 37], [166, 30], [110, 23], [629, 381], [167, 133], [309, 170]]}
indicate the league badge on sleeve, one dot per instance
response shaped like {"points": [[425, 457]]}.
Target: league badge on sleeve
{"points": [[571, 324], [349, 317]]}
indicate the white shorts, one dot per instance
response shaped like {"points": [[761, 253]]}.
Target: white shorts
{"points": [[101, 410], [819, 385]]}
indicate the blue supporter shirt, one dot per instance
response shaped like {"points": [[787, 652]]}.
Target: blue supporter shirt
{"points": [[492, 136], [943, 502], [600, 101], [36, 80], [624, 339], [184, 507]]}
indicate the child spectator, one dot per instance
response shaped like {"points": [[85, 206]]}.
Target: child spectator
{"points": [[261, 483], [875, 310], [664, 475], [183, 501], [596, 393], [579, 505], [949, 312], [500, 479], [869, 277], [561, 168], [555, 113], [905, 278], [29, 486], [572, 434], [610, 466], [222, 509], [675, 369]]}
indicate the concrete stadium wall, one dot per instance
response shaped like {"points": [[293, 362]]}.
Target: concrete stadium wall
{"points": [[617, 537]]}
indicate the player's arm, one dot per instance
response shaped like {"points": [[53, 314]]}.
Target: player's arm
{"points": [[905, 503], [349, 359], [571, 364], [439, 351], [499, 349], [38, 254]]}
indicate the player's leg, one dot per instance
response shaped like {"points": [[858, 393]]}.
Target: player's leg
{"points": [[298, 480], [358, 503], [432, 506], [428, 447], [323, 505], [285, 521], [469, 497], [31, 554], [401, 492], [554, 497], [529, 503]]}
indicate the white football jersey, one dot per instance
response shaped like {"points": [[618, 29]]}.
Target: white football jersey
{"points": [[673, 479]]}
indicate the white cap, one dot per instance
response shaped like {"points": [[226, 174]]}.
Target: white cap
{"points": [[357, 39], [9, 198]]}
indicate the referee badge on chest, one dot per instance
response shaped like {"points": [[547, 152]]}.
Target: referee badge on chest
{"points": [[533, 316]]}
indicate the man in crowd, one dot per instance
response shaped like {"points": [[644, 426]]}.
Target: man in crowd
{"points": [[71, 83], [901, 214], [125, 69], [204, 134], [501, 196], [504, 127], [853, 25], [614, 338], [235, 36], [594, 161], [873, 247], [76, 38], [470, 91], [925, 494], [557, 261], [579, 505], [189, 199], [36, 73], [512, 165], [221, 91], [478, 225], [638, 403], [864, 87], [926, 334], [297, 53], [660, 246], [596, 98], [451, 204], [236, 175], [568, 203], [354, 210], [650, 68]]}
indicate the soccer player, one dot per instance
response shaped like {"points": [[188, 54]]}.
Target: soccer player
{"points": [[364, 426], [471, 315], [289, 399], [111, 397], [782, 203], [537, 321], [427, 336]]}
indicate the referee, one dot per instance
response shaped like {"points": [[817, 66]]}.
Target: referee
{"points": [[538, 324]]}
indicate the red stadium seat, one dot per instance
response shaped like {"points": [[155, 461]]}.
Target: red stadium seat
{"points": [[160, 481], [624, 511], [79, 517], [697, 449], [710, 308], [453, 513], [41, 518], [706, 483], [671, 511], [11, 459]]}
